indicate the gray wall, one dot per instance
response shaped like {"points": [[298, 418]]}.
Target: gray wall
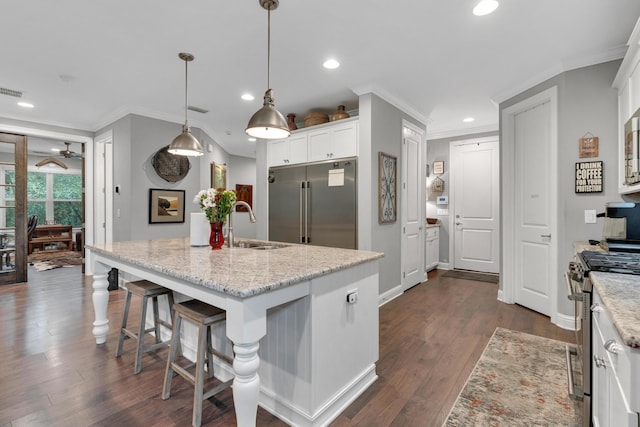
{"points": [[586, 103], [135, 140], [438, 150], [385, 135]]}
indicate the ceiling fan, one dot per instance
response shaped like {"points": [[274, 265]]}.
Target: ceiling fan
{"points": [[66, 153]]}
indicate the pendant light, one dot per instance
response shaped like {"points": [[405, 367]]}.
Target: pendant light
{"points": [[185, 144], [267, 122]]}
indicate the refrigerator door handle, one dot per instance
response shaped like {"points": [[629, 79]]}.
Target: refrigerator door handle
{"points": [[301, 236], [306, 213]]}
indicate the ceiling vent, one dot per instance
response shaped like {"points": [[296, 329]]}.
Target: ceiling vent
{"points": [[197, 109], [10, 92]]}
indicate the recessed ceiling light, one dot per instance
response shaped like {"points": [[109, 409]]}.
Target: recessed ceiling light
{"points": [[330, 64], [247, 97], [468, 119], [25, 104], [485, 7], [252, 139]]}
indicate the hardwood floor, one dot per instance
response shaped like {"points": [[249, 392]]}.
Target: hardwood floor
{"points": [[53, 374]]}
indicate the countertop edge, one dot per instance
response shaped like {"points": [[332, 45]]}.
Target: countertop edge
{"points": [[609, 287], [229, 289]]}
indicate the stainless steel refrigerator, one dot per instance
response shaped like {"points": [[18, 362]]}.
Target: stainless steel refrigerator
{"points": [[314, 204]]}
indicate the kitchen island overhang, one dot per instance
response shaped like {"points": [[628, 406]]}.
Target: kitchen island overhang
{"points": [[287, 316]]}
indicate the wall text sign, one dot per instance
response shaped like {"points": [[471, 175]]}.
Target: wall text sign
{"points": [[589, 177]]}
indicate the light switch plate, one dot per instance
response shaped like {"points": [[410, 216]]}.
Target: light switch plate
{"points": [[443, 212], [589, 216]]}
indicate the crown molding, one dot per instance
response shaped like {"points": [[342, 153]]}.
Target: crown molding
{"points": [[562, 67], [362, 90]]}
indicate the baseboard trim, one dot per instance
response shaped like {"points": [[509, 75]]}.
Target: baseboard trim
{"points": [[389, 295], [565, 322], [325, 414]]}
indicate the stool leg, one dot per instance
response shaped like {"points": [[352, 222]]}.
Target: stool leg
{"points": [[143, 320], [171, 302], [125, 317], [173, 351], [209, 352], [156, 319], [199, 380]]}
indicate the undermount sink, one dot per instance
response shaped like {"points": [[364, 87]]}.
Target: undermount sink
{"points": [[260, 246]]}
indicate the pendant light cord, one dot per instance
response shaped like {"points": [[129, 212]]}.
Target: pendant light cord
{"points": [[269, 47], [186, 87]]}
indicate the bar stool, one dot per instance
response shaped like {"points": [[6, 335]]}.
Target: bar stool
{"points": [[145, 290], [203, 316]]}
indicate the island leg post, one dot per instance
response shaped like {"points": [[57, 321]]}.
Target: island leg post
{"points": [[100, 301], [246, 384]]}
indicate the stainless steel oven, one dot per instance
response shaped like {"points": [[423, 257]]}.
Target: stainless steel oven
{"points": [[579, 356], [579, 288]]}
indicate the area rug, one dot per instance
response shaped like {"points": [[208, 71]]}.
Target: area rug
{"points": [[471, 275], [45, 260], [520, 380]]}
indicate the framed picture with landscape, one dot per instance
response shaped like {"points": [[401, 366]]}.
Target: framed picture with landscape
{"points": [[166, 206], [218, 175]]}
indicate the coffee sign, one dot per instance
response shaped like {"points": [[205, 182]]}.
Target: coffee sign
{"points": [[589, 177]]}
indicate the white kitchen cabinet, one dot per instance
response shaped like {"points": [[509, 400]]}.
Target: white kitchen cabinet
{"points": [[627, 82], [334, 141], [432, 247], [615, 366], [288, 151]]}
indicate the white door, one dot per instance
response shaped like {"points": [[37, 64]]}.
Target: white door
{"points": [[413, 218], [534, 207], [476, 204], [104, 189]]}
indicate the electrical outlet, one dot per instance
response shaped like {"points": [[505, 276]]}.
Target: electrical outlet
{"points": [[352, 297], [589, 216]]}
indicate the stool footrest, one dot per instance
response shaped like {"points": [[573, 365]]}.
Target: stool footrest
{"points": [[217, 389]]}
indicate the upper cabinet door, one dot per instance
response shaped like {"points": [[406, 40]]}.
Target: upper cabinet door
{"points": [[334, 141]]}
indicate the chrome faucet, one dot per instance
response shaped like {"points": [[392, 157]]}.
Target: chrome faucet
{"points": [[252, 218]]}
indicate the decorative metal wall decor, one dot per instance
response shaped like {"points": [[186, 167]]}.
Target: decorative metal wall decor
{"points": [[170, 167], [387, 188], [437, 185]]}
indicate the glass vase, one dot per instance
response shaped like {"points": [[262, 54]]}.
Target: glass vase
{"points": [[216, 238]]}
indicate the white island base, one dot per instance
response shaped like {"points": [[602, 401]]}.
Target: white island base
{"points": [[319, 352]]}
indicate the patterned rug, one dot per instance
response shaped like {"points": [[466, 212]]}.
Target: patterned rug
{"points": [[520, 380], [45, 260]]}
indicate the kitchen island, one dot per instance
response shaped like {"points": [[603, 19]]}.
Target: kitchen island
{"points": [[301, 350]]}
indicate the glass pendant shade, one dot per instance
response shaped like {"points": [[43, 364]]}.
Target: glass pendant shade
{"points": [[267, 122], [185, 144]]}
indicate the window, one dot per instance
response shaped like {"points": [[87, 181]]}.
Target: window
{"points": [[51, 196]]}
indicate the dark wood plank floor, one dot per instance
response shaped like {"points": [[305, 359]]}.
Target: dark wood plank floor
{"points": [[53, 374]]}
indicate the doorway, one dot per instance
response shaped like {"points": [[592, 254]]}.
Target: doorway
{"points": [[475, 196], [13, 209], [530, 203]]}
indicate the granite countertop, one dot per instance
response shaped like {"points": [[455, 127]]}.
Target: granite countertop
{"points": [[620, 294], [241, 272]]}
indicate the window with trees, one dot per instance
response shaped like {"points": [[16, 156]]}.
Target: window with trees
{"points": [[51, 196]]}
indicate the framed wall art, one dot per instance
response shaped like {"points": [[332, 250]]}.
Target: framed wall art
{"points": [[387, 188], [244, 192], [218, 175], [438, 167], [166, 206]]}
